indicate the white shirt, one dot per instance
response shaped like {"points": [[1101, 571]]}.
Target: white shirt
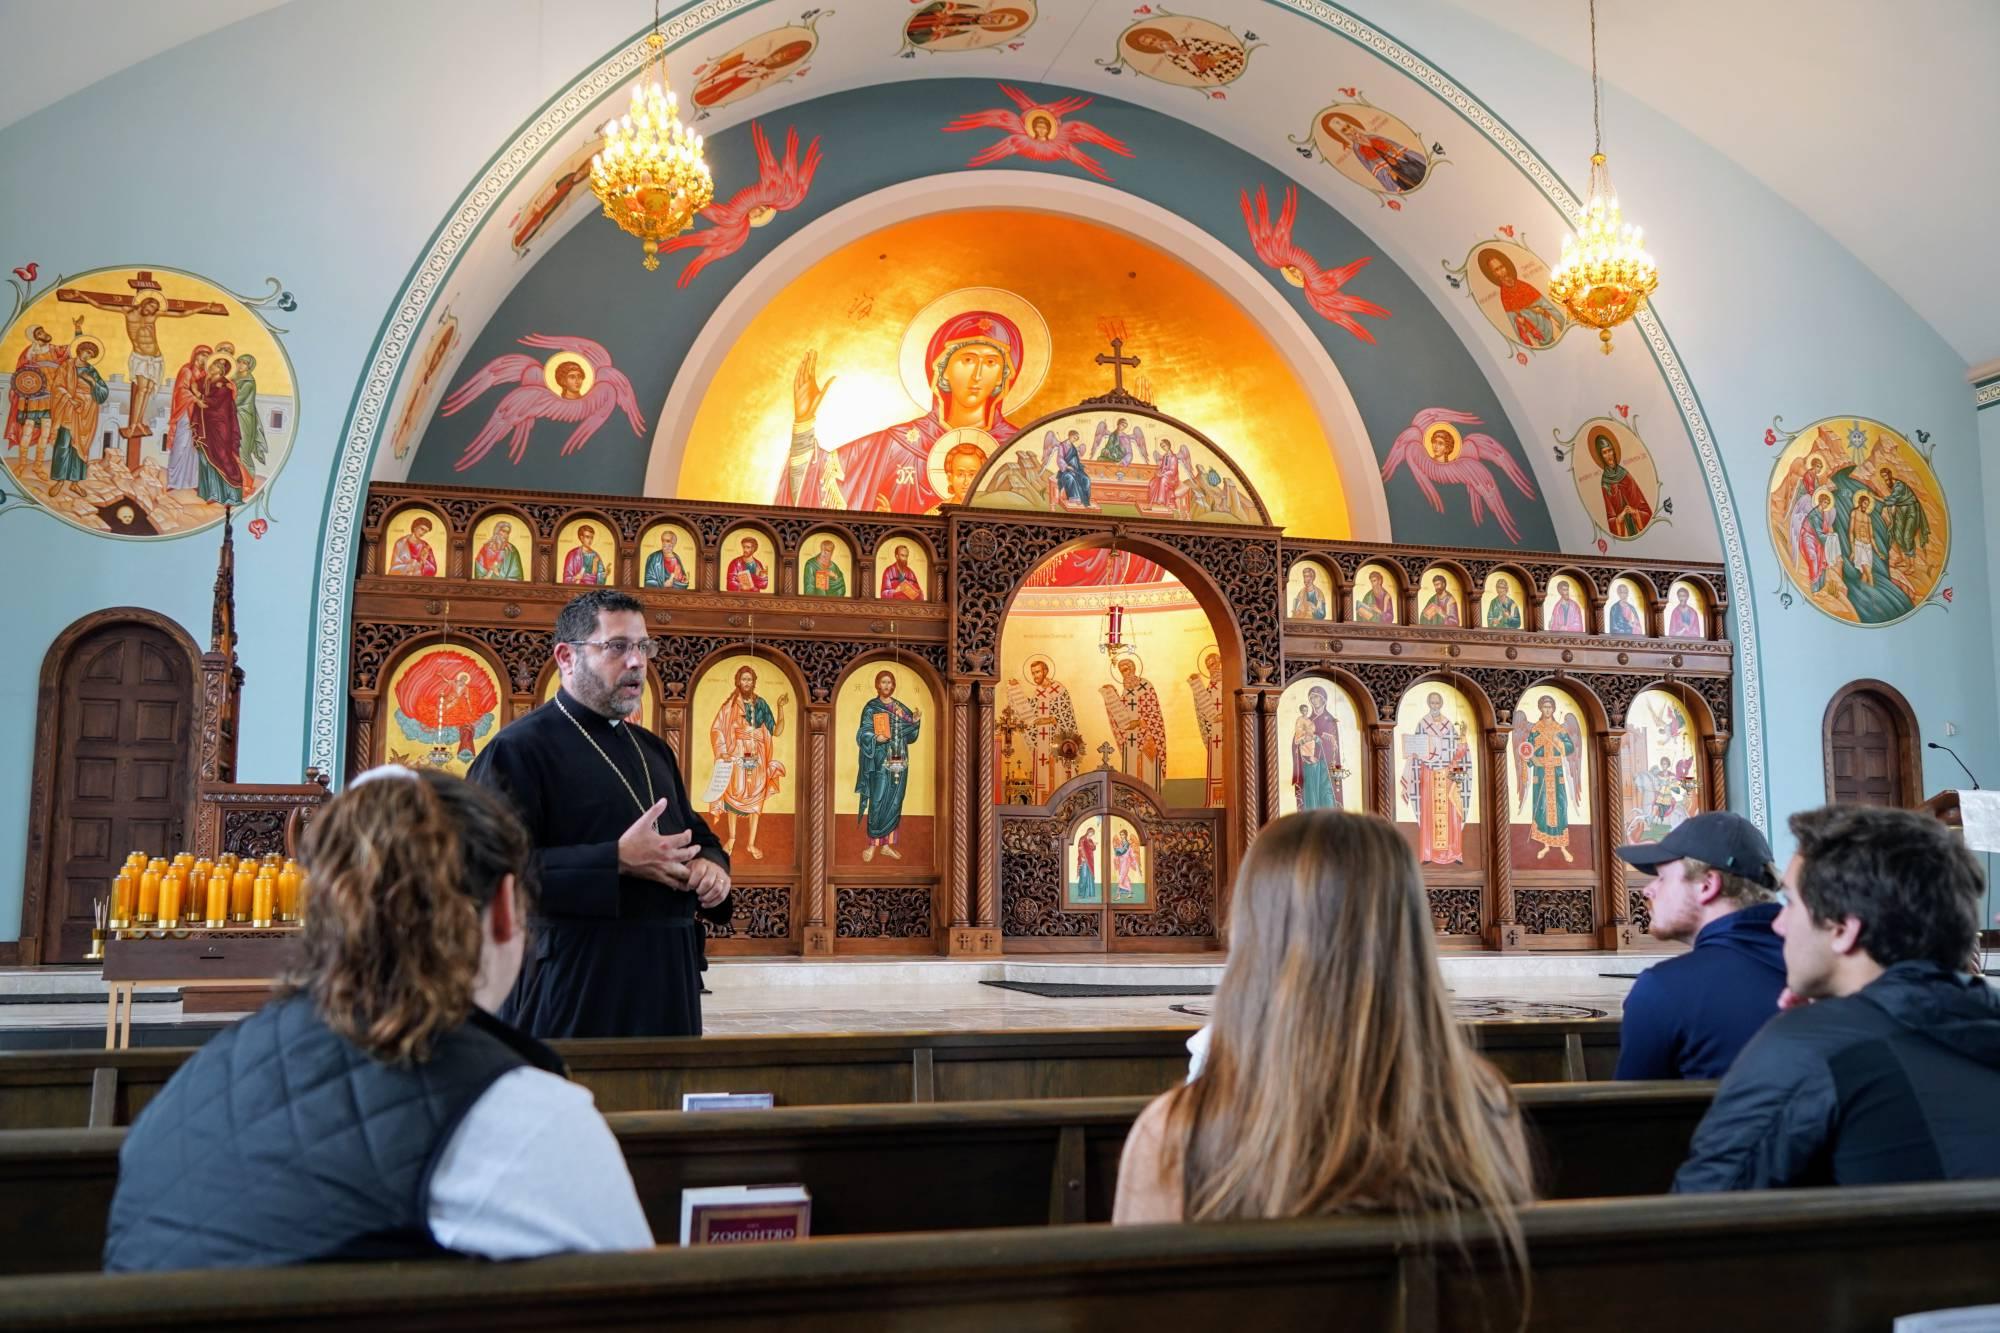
{"points": [[533, 1169]]}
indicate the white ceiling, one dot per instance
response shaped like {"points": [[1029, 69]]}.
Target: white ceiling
{"points": [[1879, 123], [55, 49]]}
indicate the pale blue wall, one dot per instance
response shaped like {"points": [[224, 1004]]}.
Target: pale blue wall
{"points": [[340, 134]]}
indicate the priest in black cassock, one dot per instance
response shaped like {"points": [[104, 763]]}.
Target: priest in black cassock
{"points": [[627, 866]]}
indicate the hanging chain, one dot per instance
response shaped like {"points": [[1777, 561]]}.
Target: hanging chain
{"points": [[1596, 95]]}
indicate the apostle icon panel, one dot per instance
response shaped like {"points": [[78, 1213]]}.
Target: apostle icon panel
{"points": [[1501, 600], [501, 543], [1309, 591], [902, 569], [668, 557], [1372, 148], [1564, 610], [826, 566], [444, 705], [1437, 776], [586, 553], [1510, 284], [1625, 612], [1687, 611], [742, 754], [1549, 791], [745, 560], [1660, 763], [1374, 594], [885, 769], [1320, 747], [1440, 599], [415, 544], [1127, 865]]}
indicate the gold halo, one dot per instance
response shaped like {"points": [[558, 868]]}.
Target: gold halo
{"points": [[1044, 659], [943, 445], [1457, 440], [562, 358], [1202, 656], [1034, 367], [1119, 654]]}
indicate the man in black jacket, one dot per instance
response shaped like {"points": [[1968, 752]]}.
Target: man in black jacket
{"points": [[1885, 1066]]}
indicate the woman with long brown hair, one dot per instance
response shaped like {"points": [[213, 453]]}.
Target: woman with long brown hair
{"points": [[1336, 1079], [375, 1108]]}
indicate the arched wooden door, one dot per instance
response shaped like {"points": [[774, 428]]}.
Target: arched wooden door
{"points": [[118, 702], [1870, 746]]}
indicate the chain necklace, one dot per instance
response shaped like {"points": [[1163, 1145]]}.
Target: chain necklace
{"points": [[644, 767]]}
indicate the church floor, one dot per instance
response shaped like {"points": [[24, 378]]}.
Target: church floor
{"points": [[777, 996]]}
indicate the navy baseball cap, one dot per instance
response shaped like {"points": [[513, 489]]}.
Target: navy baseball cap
{"points": [[1720, 839]]}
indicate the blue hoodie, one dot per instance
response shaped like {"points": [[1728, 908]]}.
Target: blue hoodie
{"points": [[1689, 1016]]}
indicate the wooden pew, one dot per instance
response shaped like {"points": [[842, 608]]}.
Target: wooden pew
{"points": [[874, 1169], [68, 1089], [1833, 1261]]}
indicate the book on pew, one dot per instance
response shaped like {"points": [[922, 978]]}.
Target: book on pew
{"points": [[728, 1101], [740, 1214]]}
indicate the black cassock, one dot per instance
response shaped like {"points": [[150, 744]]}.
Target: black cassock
{"points": [[610, 955]]}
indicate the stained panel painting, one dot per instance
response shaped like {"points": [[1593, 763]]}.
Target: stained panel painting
{"points": [[1660, 763], [1437, 776], [1320, 748], [444, 705], [885, 769], [1549, 797], [742, 751]]}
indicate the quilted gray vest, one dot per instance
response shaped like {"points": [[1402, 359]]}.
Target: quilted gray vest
{"points": [[279, 1142]]}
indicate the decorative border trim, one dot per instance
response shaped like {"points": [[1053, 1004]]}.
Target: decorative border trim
{"points": [[373, 393], [1986, 395]]}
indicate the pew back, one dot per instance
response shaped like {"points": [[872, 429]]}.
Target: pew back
{"points": [[68, 1089], [1832, 1261], [877, 1169]]}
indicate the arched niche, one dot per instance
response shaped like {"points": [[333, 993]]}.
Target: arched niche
{"points": [[669, 557], [1323, 721], [1507, 599], [501, 546], [1441, 596], [826, 565], [889, 762], [742, 758], [1312, 590], [1376, 595], [1627, 609], [1566, 604], [902, 568], [748, 560], [442, 701], [586, 551], [416, 543]]}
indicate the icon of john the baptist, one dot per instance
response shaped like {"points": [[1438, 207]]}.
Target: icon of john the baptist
{"points": [[975, 363]]}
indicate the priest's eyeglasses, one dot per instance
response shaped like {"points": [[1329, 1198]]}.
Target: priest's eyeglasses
{"points": [[647, 648]]}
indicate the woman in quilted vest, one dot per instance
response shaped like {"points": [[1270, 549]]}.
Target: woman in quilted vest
{"points": [[376, 1108]]}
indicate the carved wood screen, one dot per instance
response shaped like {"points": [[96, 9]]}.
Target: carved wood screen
{"points": [[979, 559]]}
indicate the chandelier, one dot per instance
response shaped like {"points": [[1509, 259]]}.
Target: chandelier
{"points": [[1605, 274], [650, 175]]}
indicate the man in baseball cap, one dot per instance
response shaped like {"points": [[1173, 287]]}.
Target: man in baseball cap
{"points": [[1712, 885]]}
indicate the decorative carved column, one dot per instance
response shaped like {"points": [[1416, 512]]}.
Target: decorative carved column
{"points": [[959, 818], [818, 936], [987, 912], [361, 732], [1718, 771], [455, 560], [1657, 626], [1249, 785], [1381, 764], [1618, 932], [1267, 755], [1506, 935]]}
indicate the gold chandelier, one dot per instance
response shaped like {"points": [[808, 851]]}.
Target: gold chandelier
{"points": [[1605, 274], [650, 175]]}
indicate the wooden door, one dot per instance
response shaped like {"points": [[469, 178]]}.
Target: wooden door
{"points": [[1865, 744], [124, 766]]}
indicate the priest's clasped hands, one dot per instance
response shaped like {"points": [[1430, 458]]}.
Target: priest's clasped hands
{"points": [[671, 859]]}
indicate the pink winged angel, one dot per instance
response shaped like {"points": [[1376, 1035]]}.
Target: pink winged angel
{"points": [[1439, 455], [780, 186], [1039, 133], [1273, 244], [587, 388]]}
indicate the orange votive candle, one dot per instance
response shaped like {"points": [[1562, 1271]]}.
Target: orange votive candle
{"points": [[288, 892], [123, 890], [149, 894], [241, 890], [263, 893], [216, 896], [173, 890]]}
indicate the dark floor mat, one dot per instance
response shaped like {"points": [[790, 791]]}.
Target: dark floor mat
{"points": [[1064, 990]]}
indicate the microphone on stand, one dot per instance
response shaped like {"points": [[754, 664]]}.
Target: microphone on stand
{"points": [[1960, 762]]}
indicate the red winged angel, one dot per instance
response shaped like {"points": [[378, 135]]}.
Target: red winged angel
{"points": [[578, 384], [1439, 456], [780, 186], [1039, 133], [1322, 286]]}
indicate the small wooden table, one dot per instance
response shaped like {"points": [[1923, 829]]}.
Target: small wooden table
{"points": [[194, 957]]}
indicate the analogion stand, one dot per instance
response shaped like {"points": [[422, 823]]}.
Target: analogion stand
{"points": [[192, 957]]}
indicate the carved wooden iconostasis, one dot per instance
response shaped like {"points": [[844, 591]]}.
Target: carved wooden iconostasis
{"points": [[1052, 717]]}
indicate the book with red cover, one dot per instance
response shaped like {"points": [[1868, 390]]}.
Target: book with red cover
{"points": [[741, 1214]]}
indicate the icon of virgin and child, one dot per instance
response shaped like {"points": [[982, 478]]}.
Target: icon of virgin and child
{"points": [[983, 351]]}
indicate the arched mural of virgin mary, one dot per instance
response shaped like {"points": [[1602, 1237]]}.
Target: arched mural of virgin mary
{"points": [[989, 352]]}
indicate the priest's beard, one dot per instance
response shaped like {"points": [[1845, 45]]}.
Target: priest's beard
{"points": [[600, 691]]}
